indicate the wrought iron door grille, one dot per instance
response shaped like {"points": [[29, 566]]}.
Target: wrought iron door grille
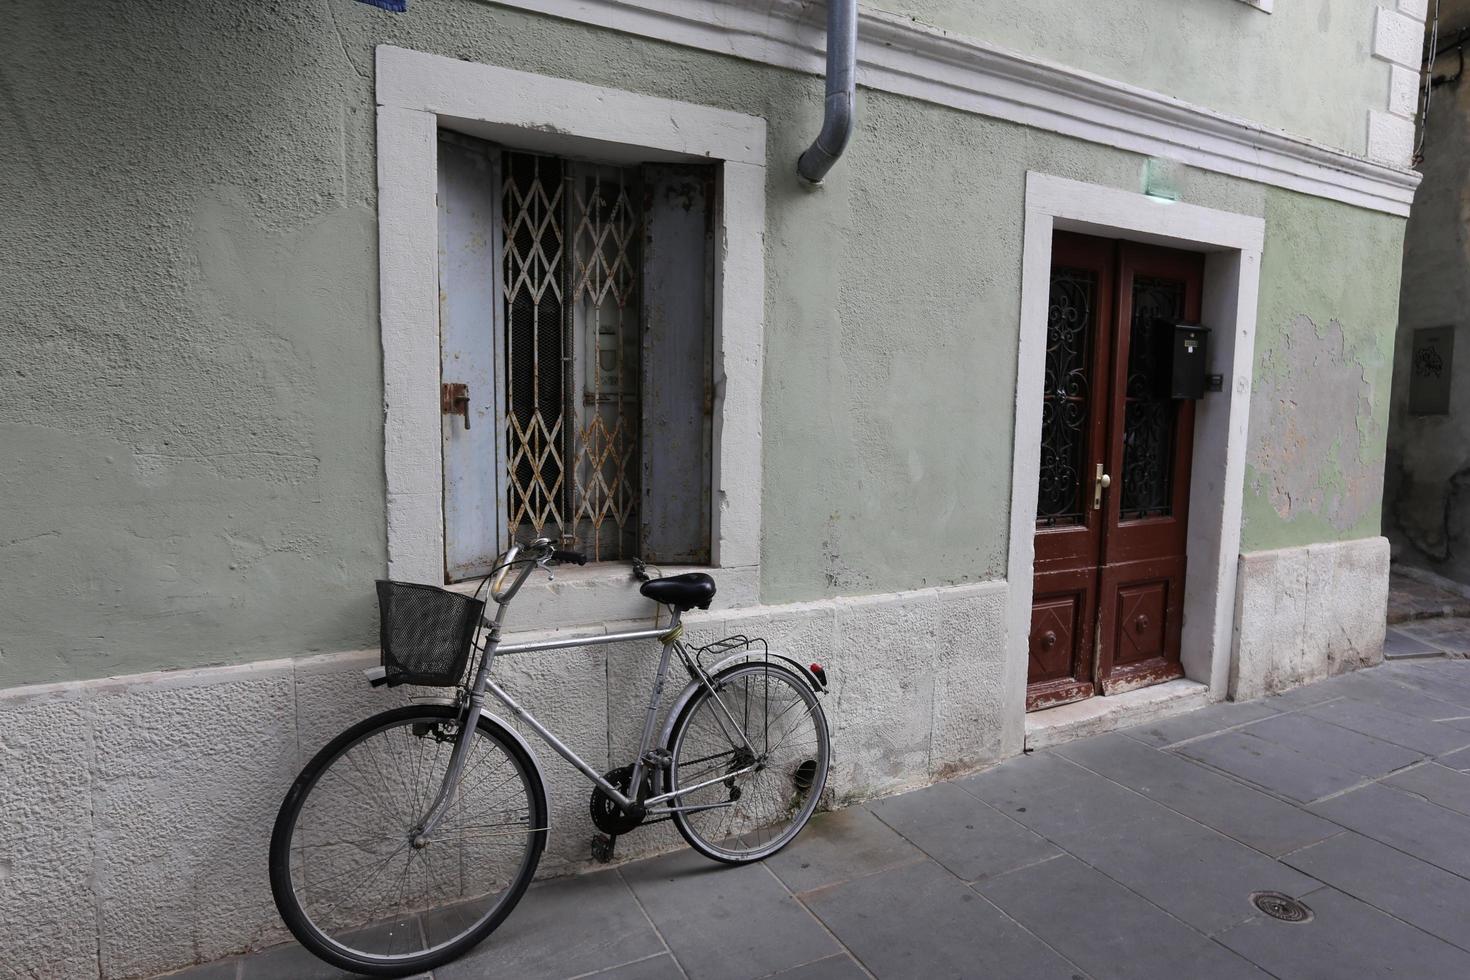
{"points": [[572, 344], [1066, 399], [1148, 414]]}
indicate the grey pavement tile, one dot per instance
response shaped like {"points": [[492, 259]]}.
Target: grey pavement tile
{"points": [[1398, 644], [1383, 689], [1217, 801], [1421, 894], [661, 967], [1425, 830], [218, 970], [289, 960], [1205, 721], [832, 968], [1459, 760], [919, 921], [1345, 939], [1106, 929], [1196, 873], [1428, 737], [562, 928], [1438, 784], [726, 921], [1271, 766], [965, 835], [839, 846], [1327, 742], [1422, 675], [1449, 635], [1307, 694]]}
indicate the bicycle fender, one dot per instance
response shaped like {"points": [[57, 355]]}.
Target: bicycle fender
{"points": [[509, 730]]}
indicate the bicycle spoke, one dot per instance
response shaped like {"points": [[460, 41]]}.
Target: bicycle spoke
{"points": [[765, 801], [358, 881]]}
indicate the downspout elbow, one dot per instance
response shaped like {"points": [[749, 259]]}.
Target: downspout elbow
{"points": [[839, 113]]}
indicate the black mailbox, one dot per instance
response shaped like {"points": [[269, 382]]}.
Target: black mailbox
{"points": [[1187, 351]]}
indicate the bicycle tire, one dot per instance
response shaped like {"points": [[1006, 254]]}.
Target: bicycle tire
{"points": [[691, 825], [332, 950]]}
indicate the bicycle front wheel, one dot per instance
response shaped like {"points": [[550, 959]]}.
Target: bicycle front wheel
{"points": [[354, 879], [764, 731]]}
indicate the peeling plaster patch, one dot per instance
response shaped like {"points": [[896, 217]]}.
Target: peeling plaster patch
{"points": [[839, 574], [1306, 458]]}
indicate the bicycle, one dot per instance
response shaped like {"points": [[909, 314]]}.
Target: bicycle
{"points": [[412, 835]]}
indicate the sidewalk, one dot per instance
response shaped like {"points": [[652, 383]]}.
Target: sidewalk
{"points": [[1428, 616], [1128, 855]]}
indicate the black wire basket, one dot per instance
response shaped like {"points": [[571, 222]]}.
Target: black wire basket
{"points": [[427, 633]]}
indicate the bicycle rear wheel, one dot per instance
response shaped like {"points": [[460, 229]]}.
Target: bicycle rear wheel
{"points": [[347, 877], [767, 731]]}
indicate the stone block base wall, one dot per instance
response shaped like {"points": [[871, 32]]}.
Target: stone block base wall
{"points": [[144, 804], [1303, 614]]}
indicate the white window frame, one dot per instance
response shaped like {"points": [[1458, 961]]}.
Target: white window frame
{"points": [[417, 95]]}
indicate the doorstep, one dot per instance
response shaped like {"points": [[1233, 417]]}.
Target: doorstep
{"points": [[1096, 715]]}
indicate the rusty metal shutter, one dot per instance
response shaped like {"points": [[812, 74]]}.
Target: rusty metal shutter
{"points": [[472, 426], [677, 362]]}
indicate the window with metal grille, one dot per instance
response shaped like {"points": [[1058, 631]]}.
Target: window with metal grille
{"points": [[576, 337]]}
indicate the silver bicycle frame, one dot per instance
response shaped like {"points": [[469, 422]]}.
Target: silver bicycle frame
{"points": [[668, 636]]}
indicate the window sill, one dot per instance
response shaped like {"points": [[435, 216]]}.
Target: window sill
{"points": [[594, 595]]}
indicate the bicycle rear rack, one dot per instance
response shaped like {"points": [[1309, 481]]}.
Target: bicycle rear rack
{"points": [[720, 649]]}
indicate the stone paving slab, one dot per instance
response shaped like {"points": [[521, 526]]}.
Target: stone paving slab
{"points": [[1175, 862], [1421, 735], [841, 846], [921, 921], [726, 922], [842, 967], [1206, 721], [594, 918], [1404, 821], [1398, 645], [1271, 766], [1345, 939], [1315, 738], [1390, 880], [1236, 810], [1447, 787], [968, 837], [1106, 929], [1411, 597], [1127, 855]]}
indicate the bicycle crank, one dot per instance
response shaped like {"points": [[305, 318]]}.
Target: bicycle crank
{"points": [[607, 815]]}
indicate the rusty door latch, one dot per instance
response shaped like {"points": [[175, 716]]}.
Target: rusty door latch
{"points": [[454, 399]]}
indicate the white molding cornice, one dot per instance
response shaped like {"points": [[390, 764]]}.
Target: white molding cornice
{"points": [[897, 55]]}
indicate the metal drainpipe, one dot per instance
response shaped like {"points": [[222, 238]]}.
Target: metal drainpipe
{"points": [[837, 121]]}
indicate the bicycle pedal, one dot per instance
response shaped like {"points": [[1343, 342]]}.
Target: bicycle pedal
{"points": [[602, 848]]}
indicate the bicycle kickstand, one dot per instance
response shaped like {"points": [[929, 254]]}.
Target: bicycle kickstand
{"points": [[602, 847]]}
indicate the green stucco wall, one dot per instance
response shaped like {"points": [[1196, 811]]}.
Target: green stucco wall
{"points": [[1303, 68], [191, 413], [1324, 366]]}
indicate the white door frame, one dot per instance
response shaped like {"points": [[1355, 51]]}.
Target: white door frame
{"points": [[1232, 246]]}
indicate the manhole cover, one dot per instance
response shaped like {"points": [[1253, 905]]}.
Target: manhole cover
{"points": [[1283, 907]]}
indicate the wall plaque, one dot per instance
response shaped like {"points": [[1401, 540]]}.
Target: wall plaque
{"points": [[1429, 371]]}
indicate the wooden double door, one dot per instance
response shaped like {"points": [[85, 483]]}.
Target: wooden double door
{"points": [[1113, 502]]}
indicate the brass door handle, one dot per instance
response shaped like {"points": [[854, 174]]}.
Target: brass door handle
{"points": [[1099, 482]]}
